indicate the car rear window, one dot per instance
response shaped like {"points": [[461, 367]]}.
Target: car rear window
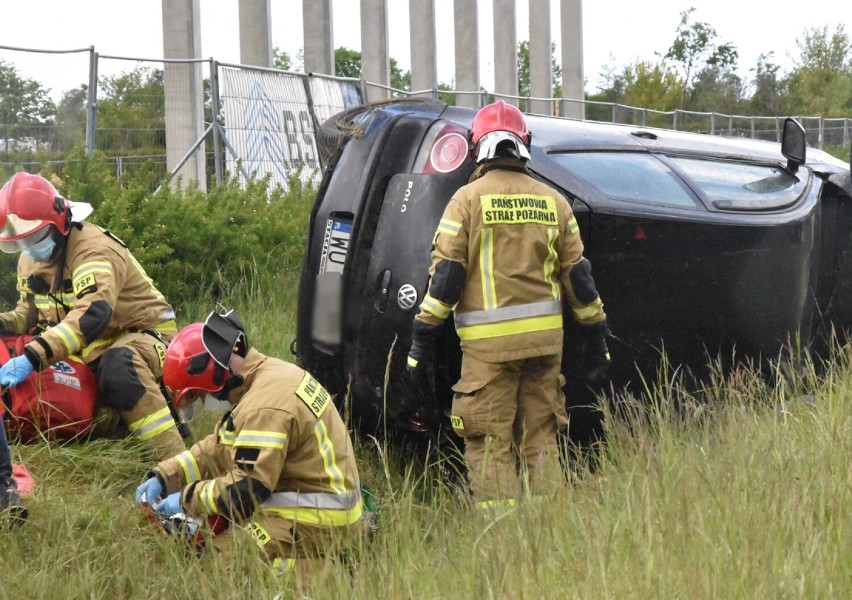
{"points": [[629, 176]]}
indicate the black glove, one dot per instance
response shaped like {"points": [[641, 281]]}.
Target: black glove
{"points": [[596, 352], [422, 340]]}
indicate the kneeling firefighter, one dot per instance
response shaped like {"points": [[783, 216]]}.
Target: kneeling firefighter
{"points": [[87, 296], [279, 466], [506, 253]]}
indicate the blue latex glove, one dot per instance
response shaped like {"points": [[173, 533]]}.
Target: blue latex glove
{"points": [[15, 371], [170, 506], [152, 489]]}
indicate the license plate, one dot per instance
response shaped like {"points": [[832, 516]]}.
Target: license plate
{"points": [[334, 245]]}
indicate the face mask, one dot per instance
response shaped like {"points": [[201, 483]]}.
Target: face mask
{"points": [[41, 251]]}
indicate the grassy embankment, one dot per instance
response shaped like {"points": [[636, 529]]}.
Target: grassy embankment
{"points": [[729, 499]]}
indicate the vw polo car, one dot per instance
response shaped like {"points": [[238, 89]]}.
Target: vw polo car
{"points": [[701, 246]]}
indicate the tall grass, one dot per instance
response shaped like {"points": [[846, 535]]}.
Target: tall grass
{"points": [[739, 490]]}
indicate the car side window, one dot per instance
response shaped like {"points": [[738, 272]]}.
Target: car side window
{"points": [[739, 186], [629, 176]]}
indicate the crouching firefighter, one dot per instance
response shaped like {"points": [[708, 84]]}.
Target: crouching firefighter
{"points": [[279, 466], [506, 248], [88, 296]]}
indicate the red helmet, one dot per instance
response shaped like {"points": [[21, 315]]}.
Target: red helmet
{"points": [[496, 123], [29, 205], [188, 365]]}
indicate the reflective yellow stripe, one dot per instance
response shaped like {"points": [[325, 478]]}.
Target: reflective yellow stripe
{"points": [[166, 326], [329, 460], [550, 262], [152, 425], [227, 437], [491, 330], [144, 275], [449, 227], [261, 439], [572, 225], [187, 461], [435, 307], [95, 345], [317, 516], [69, 338], [589, 311], [486, 269], [500, 505], [20, 323], [207, 497]]}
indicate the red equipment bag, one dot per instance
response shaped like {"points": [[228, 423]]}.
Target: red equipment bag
{"points": [[57, 403]]}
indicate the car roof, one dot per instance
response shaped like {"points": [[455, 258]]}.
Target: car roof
{"points": [[562, 134]]}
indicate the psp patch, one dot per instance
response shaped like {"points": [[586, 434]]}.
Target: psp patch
{"points": [[311, 392], [457, 422], [85, 284]]}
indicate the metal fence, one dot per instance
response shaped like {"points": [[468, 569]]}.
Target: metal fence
{"points": [[256, 122]]}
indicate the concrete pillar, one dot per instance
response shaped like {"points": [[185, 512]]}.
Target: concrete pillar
{"points": [[505, 49], [541, 72], [255, 33], [424, 62], [466, 32], [317, 26], [573, 82], [183, 89], [375, 61]]}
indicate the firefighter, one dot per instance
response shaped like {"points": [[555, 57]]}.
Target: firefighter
{"points": [[279, 464], [506, 250], [84, 292]]}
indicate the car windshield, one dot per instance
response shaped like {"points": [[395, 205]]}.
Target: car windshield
{"points": [[650, 179]]}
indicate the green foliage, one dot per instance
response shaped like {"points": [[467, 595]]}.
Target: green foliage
{"points": [[694, 51], [347, 63], [131, 112], [25, 108], [821, 83]]}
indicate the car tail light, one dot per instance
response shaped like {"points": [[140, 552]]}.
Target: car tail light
{"points": [[449, 150]]}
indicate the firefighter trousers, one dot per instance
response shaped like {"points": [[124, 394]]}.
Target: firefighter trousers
{"points": [[129, 374], [509, 415]]}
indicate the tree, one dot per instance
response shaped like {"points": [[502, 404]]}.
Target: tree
{"points": [[281, 59], [524, 70], [347, 63], [821, 82], [131, 111], [768, 97], [71, 118], [695, 51], [26, 109]]}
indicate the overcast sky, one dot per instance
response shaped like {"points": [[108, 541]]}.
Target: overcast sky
{"points": [[615, 32]]}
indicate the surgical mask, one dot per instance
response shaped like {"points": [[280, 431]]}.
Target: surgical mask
{"points": [[42, 251]]}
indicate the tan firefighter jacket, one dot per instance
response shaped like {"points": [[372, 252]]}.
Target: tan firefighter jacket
{"points": [[86, 296], [284, 436], [518, 242]]}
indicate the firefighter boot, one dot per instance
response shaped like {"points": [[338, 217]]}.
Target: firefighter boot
{"points": [[11, 506]]}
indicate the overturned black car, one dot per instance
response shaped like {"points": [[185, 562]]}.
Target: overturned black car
{"points": [[700, 245]]}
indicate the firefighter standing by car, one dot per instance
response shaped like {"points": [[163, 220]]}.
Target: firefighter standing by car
{"points": [[88, 296], [506, 248], [280, 464]]}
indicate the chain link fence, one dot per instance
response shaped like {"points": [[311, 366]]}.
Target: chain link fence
{"points": [[251, 121]]}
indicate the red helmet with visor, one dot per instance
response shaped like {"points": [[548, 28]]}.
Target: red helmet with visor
{"points": [[496, 125], [29, 205], [189, 367]]}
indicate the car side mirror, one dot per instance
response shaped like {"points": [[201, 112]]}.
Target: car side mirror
{"points": [[793, 143]]}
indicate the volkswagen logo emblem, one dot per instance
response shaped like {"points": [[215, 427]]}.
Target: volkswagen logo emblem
{"points": [[406, 297]]}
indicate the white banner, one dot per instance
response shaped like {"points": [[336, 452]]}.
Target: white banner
{"points": [[269, 124]]}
